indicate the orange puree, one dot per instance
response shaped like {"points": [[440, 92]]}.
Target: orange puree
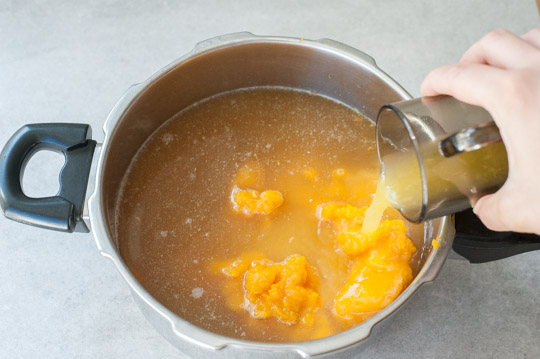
{"points": [[378, 262], [348, 223], [249, 201], [379, 272], [380, 275], [381, 268], [286, 290]]}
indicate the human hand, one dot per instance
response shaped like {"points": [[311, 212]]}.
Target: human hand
{"points": [[501, 73]]}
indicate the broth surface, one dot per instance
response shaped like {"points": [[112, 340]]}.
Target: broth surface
{"points": [[175, 220]]}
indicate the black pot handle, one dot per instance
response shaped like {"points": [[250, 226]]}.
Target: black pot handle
{"points": [[479, 244], [62, 212]]}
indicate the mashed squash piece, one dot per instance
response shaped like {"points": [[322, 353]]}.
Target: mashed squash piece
{"points": [[347, 220], [369, 290], [249, 201], [380, 270], [380, 275], [286, 290]]}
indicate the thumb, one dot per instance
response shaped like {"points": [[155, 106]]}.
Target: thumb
{"points": [[488, 209]]}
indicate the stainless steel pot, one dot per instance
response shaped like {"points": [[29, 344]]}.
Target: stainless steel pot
{"points": [[217, 65]]}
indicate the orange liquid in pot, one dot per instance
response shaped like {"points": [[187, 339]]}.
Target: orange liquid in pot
{"points": [[243, 215]]}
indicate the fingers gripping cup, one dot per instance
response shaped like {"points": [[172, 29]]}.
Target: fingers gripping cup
{"points": [[438, 156]]}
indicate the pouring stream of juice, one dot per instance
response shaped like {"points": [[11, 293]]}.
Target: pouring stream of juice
{"points": [[451, 183], [399, 186], [375, 211]]}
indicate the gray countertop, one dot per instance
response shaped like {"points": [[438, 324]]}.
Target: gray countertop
{"points": [[69, 61]]}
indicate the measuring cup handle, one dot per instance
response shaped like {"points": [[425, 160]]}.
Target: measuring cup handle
{"points": [[62, 212], [479, 245], [470, 139]]}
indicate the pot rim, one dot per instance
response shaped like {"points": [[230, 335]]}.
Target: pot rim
{"points": [[207, 339]]}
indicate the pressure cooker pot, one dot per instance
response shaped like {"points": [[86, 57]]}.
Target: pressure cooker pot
{"points": [[92, 177]]}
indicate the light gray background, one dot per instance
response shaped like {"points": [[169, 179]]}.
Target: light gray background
{"points": [[69, 61]]}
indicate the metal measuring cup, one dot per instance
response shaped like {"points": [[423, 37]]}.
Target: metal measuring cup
{"points": [[438, 156]]}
